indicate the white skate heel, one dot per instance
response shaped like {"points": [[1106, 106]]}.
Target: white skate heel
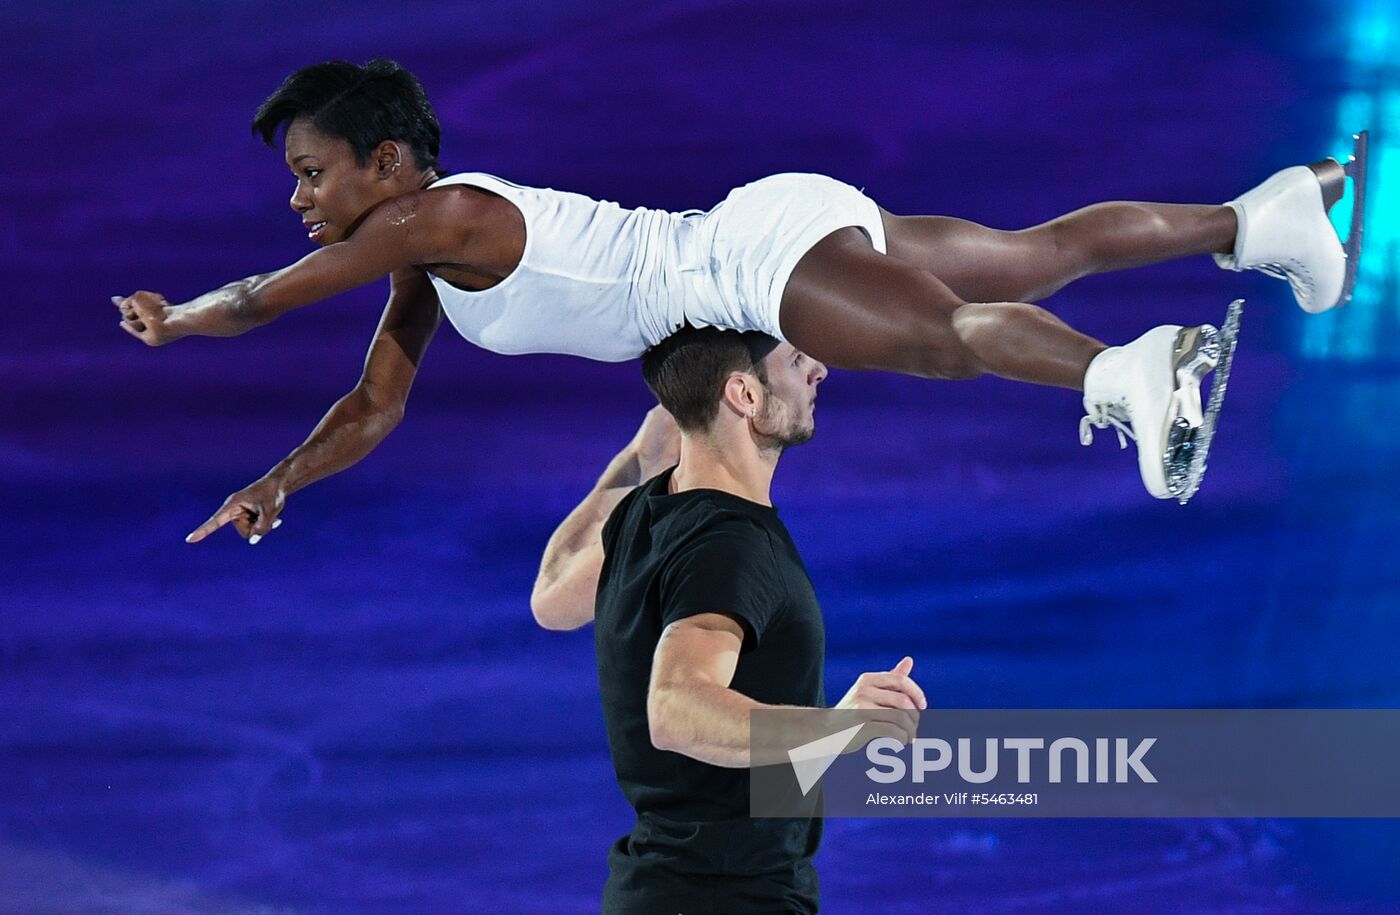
{"points": [[1150, 390], [1284, 229]]}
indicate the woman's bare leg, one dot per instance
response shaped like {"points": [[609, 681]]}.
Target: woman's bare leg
{"points": [[852, 307], [988, 265]]}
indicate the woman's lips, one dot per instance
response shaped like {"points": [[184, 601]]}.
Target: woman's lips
{"points": [[314, 230]]}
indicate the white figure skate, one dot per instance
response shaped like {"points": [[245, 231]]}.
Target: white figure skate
{"points": [[1150, 390], [1284, 230]]}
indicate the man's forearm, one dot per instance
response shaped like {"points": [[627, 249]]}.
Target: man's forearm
{"points": [[567, 583], [225, 312], [581, 532], [350, 430], [711, 723]]}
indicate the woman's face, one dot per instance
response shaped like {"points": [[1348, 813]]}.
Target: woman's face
{"points": [[333, 192]]}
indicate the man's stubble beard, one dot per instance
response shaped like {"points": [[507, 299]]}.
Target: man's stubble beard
{"points": [[789, 436]]}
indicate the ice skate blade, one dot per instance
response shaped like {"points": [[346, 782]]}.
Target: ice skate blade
{"points": [[1356, 171], [1332, 175], [1188, 447]]}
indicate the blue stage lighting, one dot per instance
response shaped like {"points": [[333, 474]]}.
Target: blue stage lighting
{"points": [[1366, 329]]}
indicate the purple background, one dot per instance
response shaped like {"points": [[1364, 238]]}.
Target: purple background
{"points": [[359, 715]]}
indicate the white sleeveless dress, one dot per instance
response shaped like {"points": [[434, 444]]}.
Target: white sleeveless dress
{"points": [[603, 282]]}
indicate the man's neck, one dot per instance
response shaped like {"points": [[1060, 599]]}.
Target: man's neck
{"points": [[738, 467]]}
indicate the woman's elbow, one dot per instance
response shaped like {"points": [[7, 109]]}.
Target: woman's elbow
{"points": [[384, 407]]}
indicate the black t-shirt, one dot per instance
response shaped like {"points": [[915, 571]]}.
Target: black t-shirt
{"points": [[694, 847]]}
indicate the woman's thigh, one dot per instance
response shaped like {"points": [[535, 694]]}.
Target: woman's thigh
{"points": [[852, 307], [980, 264]]}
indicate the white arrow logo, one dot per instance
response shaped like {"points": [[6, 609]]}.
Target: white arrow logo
{"points": [[811, 760]]}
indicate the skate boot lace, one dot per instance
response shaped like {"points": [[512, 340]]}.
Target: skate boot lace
{"points": [[1103, 417]]}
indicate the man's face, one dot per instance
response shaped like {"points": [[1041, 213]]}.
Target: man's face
{"points": [[790, 397], [333, 192]]}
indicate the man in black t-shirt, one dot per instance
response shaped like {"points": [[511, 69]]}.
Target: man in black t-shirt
{"points": [[703, 613]]}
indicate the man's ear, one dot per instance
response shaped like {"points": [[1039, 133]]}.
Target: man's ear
{"points": [[741, 393]]}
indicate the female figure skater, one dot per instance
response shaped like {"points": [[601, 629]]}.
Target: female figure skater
{"points": [[804, 258]]}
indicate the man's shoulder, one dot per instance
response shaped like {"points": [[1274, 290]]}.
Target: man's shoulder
{"points": [[716, 515], [722, 538], [630, 503], [699, 519]]}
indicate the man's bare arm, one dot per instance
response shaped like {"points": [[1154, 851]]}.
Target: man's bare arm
{"points": [[417, 228], [691, 708], [357, 422], [565, 588]]}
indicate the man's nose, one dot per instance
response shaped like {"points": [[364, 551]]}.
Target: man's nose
{"points": [[818, 372]]}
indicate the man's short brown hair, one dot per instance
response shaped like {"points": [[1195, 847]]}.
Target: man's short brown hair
{"points": [[688, 369]]}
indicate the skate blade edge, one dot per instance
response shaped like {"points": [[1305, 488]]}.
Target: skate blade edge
{"points": [[1355, 169]]}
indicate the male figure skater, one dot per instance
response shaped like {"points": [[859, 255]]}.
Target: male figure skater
{"points": [[801, 257], [704, 613]]}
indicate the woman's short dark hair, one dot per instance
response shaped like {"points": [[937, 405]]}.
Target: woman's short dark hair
{"points": [[688, 369], [363, 106]]}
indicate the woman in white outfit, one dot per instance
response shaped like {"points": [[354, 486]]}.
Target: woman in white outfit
{"points": [[804, 258]]}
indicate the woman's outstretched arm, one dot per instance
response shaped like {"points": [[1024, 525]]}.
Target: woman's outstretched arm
{"points": [[416, 228], [357, 422]]}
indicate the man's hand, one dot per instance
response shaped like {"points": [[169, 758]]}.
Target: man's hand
{"points": [[253, 511], [144, 317], [895, 695], [657, 443]]}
